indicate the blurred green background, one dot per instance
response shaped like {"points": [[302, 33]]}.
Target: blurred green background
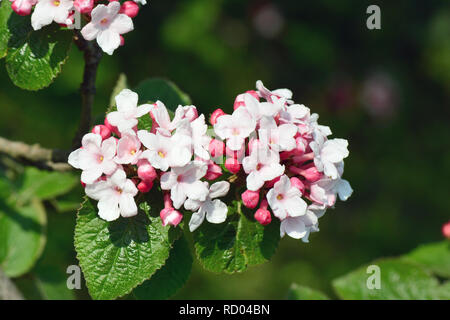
{"points": [[387, 91]]}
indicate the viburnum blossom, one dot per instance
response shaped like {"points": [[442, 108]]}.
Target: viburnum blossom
{"points": [[285, 200], [104, 23], [128, 112], [107, 25], [184, 182], [115, 196], [95, 157], [261, 165], [128, 149], [235, 128], [47, 11], [328, 154], [215, 210], [277, 160], [164, 152]]}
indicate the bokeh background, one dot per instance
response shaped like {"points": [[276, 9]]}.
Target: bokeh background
{"points": [[387, 91]]}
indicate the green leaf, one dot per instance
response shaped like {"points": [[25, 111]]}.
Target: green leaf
{"points": [[145, 122], [400, 279], [435, 257], [235, 245], [22, 237], [159, 89], [170, 278], [33, 58], [5, 13], [44, 184], [298, 292], [117, 256]]}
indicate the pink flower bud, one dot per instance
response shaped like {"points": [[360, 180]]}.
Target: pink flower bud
{"points": [[145, 186], [122, 40], [83, 184], [240, 99], [111, 128], [297, 183], [239, 154], [311, 174], [146, 172], [215, 115], [102, 130], [84, 6], [190, 113], [130, 8], [239, 102], [250, 198], [170, 216], [216, 148], [232, 165], [446, 230], [214, 171], [253, 93], [23, 7], [269, 184], [263, 216]]}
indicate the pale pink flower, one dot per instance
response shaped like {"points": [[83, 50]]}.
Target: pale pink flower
{"points": [[261, 165], [47, 11], [94, 157], [106, 25], [278, 138], [235, 128], [128, 111], [184, 182], [115, 196], [164, 152], [285, 200], [215, 210], [128, 149]]}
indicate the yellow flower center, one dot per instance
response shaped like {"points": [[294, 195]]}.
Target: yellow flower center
{"points": [[103, 21], [279, 197], [101, 158], [133, 152], [56, 3], [161, 154]]}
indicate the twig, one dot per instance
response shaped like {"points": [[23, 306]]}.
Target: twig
{"points": [[35, 155], [8, 290], [92, 56]]}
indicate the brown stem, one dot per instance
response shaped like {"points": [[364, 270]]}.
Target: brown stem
{"points": [[35, 155], [92, 56]]}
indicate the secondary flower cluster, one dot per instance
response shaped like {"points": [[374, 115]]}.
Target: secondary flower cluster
{"points": [[272, 150], [106, 21], [287, 158]]}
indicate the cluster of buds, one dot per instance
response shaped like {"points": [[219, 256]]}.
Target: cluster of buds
{"points": [[106, 21], [273, 152]]}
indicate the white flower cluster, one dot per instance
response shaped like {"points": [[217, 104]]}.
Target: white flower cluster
{"points": [[106, 24], [288, 159], [275, 151], [118, 161]]}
